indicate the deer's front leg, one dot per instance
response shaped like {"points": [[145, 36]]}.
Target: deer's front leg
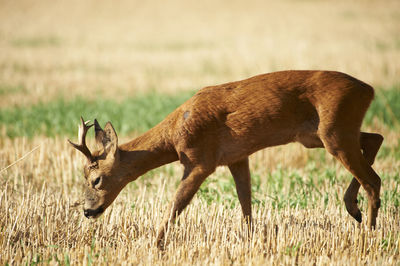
{"points": [[192, 179], [241, 174]]}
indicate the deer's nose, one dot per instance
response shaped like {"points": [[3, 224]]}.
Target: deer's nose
{"points": [[89, 213]]}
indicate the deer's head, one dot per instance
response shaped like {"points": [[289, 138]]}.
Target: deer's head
{"points": [[103, 177]]}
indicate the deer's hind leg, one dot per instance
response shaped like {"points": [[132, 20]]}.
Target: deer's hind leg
{"points": [[345, 146], [370, 144]]}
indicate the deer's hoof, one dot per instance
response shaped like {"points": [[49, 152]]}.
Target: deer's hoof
{"points": [[358, 216]]}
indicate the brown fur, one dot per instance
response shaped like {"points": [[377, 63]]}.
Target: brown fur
{"points": [[224, 124]]}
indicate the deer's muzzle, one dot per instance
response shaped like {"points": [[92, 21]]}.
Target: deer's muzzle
{"points": [[89, 213]]}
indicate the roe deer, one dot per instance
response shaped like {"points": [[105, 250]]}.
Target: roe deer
{"points": [[224, 124]]}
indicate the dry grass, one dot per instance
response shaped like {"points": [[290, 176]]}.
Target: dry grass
{"points": [[52, 49], [43, 221]]}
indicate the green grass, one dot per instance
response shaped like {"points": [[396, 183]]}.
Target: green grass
{"points": [[389, 151], [10, 89], [385, 107], [36, 42], [62, 117], [288, 188], [138, 114]]}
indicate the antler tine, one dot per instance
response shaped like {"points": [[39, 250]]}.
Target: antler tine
{"points": [[83, 129]]}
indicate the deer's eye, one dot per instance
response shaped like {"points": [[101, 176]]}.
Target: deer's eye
{"points": [[96, 182]]}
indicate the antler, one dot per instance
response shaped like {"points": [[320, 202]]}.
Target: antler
{"points": [[83, 129]]}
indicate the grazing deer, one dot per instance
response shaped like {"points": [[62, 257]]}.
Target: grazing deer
{"points": [[224, 124]]}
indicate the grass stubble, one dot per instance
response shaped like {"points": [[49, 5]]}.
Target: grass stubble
{"points": [[299, 215], [113, 51]]}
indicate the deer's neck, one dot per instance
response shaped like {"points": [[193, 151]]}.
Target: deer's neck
{"points": [[151, 150]]}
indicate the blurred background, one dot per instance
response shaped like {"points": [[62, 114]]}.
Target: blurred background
{"points": [[52, 49]]}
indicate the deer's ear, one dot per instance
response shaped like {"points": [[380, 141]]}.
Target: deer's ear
{"points": [[100, 135], [106, 139], [111, 145]]}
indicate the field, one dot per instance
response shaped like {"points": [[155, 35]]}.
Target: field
{"points": [[133, 62]]}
